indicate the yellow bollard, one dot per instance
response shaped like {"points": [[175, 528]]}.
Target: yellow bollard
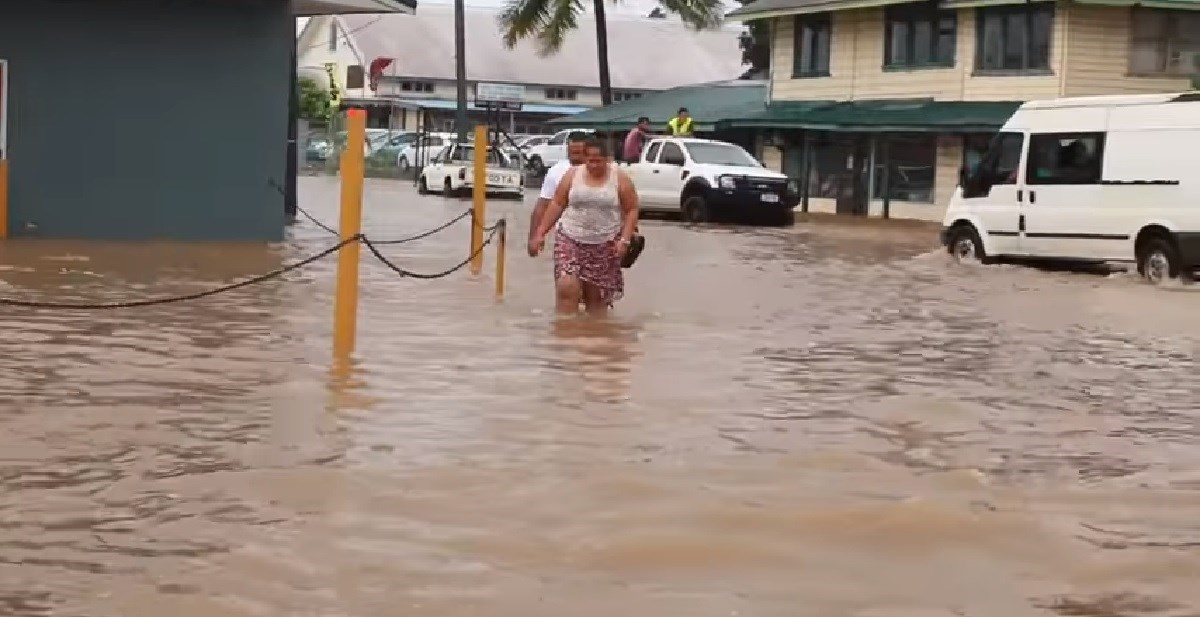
{"points": [[3, 197], [500, 256], [479, 195], [345, 311]]}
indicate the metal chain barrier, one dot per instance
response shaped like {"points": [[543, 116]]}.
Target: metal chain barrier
{"points": [[371, 245], [192, 296]]}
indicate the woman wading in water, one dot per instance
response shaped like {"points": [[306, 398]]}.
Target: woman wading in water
{"points": [[596, 212]]}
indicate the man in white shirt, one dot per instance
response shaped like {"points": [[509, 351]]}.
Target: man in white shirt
{"points": [[575, 154]]}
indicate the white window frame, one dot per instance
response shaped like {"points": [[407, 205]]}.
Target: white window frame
{"points": [[3, 110]]}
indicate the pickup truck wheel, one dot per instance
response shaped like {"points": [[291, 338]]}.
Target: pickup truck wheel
{"points": [[422, 187], [782, 217], [447, 189], [695, 209]]}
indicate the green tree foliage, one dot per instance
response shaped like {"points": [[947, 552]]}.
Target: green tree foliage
{"points": [[316, 101], [756, 46], [549, 22]]}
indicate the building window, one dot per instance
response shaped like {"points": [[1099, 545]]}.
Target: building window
{"points": [[831, 168], [626, 96], [912, 166], [1014, 38], [354, 76], [1061, 158], [1165, 42], [919, 35], [333, 36], [811, 40], [416, 86], [561, 94]]}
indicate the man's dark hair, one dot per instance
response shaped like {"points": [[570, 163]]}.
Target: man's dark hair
{"points": [[593, 142], [579, 136], [682, 110], [643, 119]]}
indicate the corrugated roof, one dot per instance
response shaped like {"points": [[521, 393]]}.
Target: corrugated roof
{"points": [[707, 103], [644, 54]]}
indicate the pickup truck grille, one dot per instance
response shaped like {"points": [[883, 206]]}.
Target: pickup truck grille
{"points": [[763, 184]]}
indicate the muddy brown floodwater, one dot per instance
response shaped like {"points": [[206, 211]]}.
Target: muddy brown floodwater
{"points": [[825, 421]]}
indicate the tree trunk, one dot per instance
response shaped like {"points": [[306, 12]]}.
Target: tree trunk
{"points": [[602, 53]]}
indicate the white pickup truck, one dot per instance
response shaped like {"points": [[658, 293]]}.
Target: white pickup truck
{"points": [[452, 172], [543, 156], [706, 180]]}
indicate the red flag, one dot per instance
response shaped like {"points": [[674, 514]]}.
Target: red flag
{"points": [[377, 66]]}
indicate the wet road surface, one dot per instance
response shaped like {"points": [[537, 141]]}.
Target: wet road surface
{"points": [[825, 420]]}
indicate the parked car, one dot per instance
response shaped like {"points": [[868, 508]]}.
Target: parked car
{"points": [[524, 144], [385, 151], [1093, 179], [451, 172], [418, 152], [704, 180]]}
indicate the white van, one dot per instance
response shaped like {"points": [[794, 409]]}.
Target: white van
{"points": [[1103, 179]]}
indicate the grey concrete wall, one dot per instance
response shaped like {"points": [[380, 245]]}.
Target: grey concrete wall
{"points": [[147, 119]]}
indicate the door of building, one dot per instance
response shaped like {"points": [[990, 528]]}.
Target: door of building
{"points": [[852, 194]]}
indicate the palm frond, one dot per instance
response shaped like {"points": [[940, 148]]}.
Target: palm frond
{"points": [[698, 14], [548, 21]]}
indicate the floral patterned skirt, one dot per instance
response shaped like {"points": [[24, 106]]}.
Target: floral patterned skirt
{"points": [[595, 264]]}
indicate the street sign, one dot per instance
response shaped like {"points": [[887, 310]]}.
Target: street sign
{"points": [[508, 97]]}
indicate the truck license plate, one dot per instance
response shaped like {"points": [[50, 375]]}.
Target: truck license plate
{"points": [[770, 198], [495, 179]]}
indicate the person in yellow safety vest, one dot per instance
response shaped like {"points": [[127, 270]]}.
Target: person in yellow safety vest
{"points": [[681, 124]]}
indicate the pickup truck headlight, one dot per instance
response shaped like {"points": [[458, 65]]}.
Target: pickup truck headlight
{"points": [[726, 182]]}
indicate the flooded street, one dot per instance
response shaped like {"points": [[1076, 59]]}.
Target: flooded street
{"points": [[825, 421]]}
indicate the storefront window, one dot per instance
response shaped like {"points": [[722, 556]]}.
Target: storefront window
{"points": [[912, 165], [830, 167]]}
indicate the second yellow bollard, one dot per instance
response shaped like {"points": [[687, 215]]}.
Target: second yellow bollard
{"points": [[501, 248], [345, 311], [479, 197]]}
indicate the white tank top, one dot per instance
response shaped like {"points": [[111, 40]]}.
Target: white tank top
{"points": [[593, 214]]}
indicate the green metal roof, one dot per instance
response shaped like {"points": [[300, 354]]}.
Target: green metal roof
{"points": [[766, 9], [917, 115], [707, 103]]}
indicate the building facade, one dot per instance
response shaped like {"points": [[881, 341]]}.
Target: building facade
{"points": [[156, 121], [419, 78], [878, 107]]}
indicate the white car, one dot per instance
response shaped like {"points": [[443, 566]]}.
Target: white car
{"points": [[705, 180], [452, 172], [543, 156], [419, 151], [523, 147], [1097, 179]]}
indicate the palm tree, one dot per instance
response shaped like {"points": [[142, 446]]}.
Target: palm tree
{"points": [[549, 21]]}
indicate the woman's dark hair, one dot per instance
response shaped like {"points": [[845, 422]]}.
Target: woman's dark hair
{"points": [[593, 142]]}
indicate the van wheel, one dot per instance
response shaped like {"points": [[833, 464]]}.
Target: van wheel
{"points": [[1158, 261], [965, 245], [695, 209], [422, 187]]}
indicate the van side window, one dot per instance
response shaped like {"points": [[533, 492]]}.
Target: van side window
{"points": [[1065, 158], [997, 166]]}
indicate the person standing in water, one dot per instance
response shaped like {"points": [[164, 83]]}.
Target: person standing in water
{"points": [[594, 213], [554, 175]]}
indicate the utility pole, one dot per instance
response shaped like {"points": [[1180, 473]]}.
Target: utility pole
{"points": [[460, 69]]}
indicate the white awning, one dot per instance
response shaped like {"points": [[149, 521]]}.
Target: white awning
{"points": [[306, 8]]}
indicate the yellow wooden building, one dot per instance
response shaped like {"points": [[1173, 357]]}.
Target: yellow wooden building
{"points": [[876, 104]]}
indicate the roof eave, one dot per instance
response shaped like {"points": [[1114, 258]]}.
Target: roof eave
{"points": [[312, 8]]}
